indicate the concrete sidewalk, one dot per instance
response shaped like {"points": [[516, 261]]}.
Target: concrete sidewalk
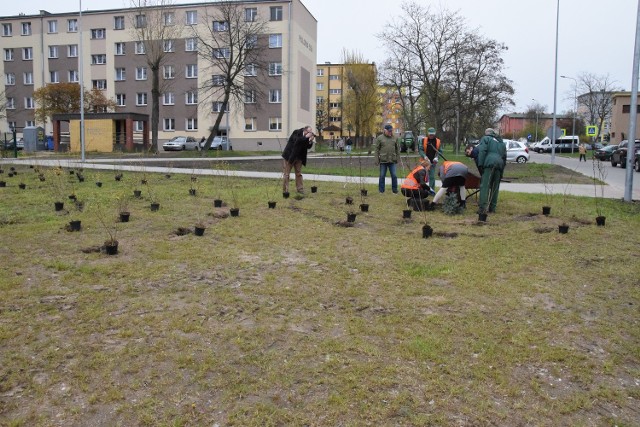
{"points": [[613, 189]]}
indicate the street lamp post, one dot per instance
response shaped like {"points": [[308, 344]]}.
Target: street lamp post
{"points": [[575, 106], [536, 118]]}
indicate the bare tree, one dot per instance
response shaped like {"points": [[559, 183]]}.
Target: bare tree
{"points": [[322, 115], [156, 30], [361, 103], [234, 47], [596, 98]]}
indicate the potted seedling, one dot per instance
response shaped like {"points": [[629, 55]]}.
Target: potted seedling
{"points": [[598, 184], [124, 212]]}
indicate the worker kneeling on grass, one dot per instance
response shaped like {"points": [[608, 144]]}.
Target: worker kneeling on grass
{"points": [[453, 176], [416, 186]]}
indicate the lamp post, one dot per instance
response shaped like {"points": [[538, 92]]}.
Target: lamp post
{"points": [[81, 66], [555, 88], [533, 99], [575, 107]]}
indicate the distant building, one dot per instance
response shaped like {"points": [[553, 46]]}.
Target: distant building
{"points": [[514, 123], [620, 117]]}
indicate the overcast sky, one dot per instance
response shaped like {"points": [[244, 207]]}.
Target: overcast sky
{"points": [[594, 36]]}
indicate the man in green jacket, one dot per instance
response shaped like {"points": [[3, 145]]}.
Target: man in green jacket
{"points": [[387, 155], [492, 157]]}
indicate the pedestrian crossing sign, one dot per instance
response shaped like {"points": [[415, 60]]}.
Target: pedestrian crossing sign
{"points": [[592, 130]]}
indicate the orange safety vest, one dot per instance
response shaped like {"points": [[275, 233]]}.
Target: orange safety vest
{"points": [[410, 182], [425, 144]]}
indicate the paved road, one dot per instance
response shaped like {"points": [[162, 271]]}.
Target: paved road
{"points": [[614, 176]]}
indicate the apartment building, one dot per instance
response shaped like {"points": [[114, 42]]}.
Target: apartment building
{"points": [[102, 48], [620, 117]]}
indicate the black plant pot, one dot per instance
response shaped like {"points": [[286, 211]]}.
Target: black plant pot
{"points": [[22, 186], [72, 197], [363, 192], [71, 172], [349, 200], [217, 203], [563, 229], [58, 206], [167, 176], [272, 205], [10, 174], [42, 178], [143, 181], [546, 210], [314, 189], [80, 178], [3, 184], [124, 216], [111, 248], [198, 231], [118, 177], [75, 225], [234, 211], [600, 220], [15, 173], [192, 191], [98, 184], [285, 194], [351, 216], [137, 193], [155, 206], [406, 213], [30, 166], [482, 217], [364, 207], [12, 168], [427, 231], [1, 170]]}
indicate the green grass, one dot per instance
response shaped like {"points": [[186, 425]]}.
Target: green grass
{"points": [[286, 317]]}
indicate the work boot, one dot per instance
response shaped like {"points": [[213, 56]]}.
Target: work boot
{"points": [[463, 204]]}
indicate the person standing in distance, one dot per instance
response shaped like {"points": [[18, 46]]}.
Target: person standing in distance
{"points": [[582, 149], [387, 155], [492, 157], [430, 149], [295, 156]]}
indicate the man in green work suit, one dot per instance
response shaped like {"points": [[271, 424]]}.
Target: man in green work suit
{"points": [[492, 157]]}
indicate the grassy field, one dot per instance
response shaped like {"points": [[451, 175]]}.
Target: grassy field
{"points": [[291, 316]]}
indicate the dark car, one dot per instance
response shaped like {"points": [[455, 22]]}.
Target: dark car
{"points": [[619, 155], [605, 152], [638, 161]]}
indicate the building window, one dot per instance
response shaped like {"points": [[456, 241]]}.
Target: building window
{"points": [[141, 21], [275, 13], [319, 86], [72, 51], [72, 25], [334, 119], [168, 98], [7, 30], [121, 74], [27, 78], [138, 125], [98, 33], [28, 103], [99, 84], [319, 99], [54, 77], [191, 17], [191, 71], [26, 28], [275, 41], [335, 91], [251, 42], [27, 53], [320, 72], [219, 26], [275, 123], [191, 98], [120, 48], [191, 124], [275, 68], [218, 106], [8, 54], [334, 105], [29, 123], [169, 18], [191, 44], [73, 76], [121, 99], [53, 51], [11, 105], [223, 52], [250, 123], [250, 96], [168, 72], [334, 77], [169, 124], [139, 48], [251, 70], [141, 98], [118, 22], [9, 79], [250, 14], [141, 73], [217, 80], [98, 59], [168, 45], [275, 96], [52, 27]]}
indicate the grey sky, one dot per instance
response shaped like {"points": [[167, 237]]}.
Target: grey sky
{"points": [[594, 36]]}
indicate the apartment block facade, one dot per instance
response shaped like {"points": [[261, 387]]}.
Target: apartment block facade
{"points": [[102, 48]]}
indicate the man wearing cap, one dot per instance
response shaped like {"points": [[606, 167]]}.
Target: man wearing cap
{"points": [[492, 157], [387, 155], [429, 149]]}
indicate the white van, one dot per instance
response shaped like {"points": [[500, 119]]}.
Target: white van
{"points": [[539, 147]]}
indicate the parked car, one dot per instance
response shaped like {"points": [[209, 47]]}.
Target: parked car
{"points": [[179, 143], [619, 156], [19, 145], [540, 146], [517, 151], [637, 161], [605, 152], [220, 143]]}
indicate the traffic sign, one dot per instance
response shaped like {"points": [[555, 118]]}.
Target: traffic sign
{"points": [[592, 130]]}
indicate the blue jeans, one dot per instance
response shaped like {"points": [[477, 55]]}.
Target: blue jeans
{"points": [[383, 175]]}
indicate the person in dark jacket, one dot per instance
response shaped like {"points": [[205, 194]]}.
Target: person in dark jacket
{"points": [[492, 157], [472, 151], [387, 154], [453, 174], [415, 186], [295, 156]]}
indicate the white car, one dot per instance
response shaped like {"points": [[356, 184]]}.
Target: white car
{"points": [[220, 143], [179, 143], [516, 151]]}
